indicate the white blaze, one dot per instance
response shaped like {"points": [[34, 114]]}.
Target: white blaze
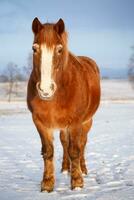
{"points": [[46, 69]]}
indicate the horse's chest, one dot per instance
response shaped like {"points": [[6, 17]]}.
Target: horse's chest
{"points": [[59, 113], [53, 116]]}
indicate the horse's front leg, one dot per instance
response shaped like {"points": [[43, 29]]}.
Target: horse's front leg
{"points": [[74, 154], [46, 135]]}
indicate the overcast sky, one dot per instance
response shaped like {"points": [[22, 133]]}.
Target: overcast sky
{"points": [[101, 29]]}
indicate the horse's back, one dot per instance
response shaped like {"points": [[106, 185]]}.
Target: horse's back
{"points": [[92, 79], [89, 64]]}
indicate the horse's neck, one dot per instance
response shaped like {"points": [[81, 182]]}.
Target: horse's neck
{"points": [[74, 59], [67, 73]]}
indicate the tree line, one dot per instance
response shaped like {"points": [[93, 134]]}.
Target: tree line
{"points": [[12, 75], [131, 68]]}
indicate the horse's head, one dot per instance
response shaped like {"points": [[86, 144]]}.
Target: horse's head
{"points": [[49, 55]]}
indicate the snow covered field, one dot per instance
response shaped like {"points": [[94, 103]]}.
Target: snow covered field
{"points": [[109, 155], [112, 89]]}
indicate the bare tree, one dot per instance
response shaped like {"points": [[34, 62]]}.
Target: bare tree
{"points": [[27, 69], [11, 72], [131, 68]]}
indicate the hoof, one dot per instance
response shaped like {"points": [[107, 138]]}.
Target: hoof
{"points": [[84, 174], [65, 172], [65, 169], [77, 183], [77, 188], [47, 186], [44, 191]]}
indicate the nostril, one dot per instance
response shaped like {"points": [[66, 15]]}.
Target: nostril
{"points": [[52, 86], [45, 94]]}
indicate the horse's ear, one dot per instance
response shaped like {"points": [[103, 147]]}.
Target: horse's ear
{"points": [[59, 26], [36, 25]]}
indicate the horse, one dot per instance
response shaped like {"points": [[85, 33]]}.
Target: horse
{"points": [[63, 93]]}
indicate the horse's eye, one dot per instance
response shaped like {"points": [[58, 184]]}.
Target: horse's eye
{"points": [[59, 49], [35, 47]]}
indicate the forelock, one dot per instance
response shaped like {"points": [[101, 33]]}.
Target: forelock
{"points": [[48, 36]]}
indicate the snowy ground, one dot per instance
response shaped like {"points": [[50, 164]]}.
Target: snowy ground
{"points": [[109, 155], [109, 151], [117, 90]]}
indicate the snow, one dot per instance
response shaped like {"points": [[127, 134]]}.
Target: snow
{"points": [[109, 156], [117, 90], [109, 153]]}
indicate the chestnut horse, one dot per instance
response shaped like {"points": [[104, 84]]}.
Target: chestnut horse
{"points": [[63, 93]]}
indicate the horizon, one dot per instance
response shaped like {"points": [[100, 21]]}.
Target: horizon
{"points": [[103, 31]]}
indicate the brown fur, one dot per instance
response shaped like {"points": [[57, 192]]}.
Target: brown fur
{"points": [[71, 108]]}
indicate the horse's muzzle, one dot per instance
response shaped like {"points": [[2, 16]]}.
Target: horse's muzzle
{"points": [[46, 95]]}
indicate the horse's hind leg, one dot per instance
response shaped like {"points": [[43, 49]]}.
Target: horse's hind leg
{"points": [[64, 141], [85, 129], [74, 154]]}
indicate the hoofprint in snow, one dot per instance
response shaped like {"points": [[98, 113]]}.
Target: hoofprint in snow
{"points": [[109, 156]]}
